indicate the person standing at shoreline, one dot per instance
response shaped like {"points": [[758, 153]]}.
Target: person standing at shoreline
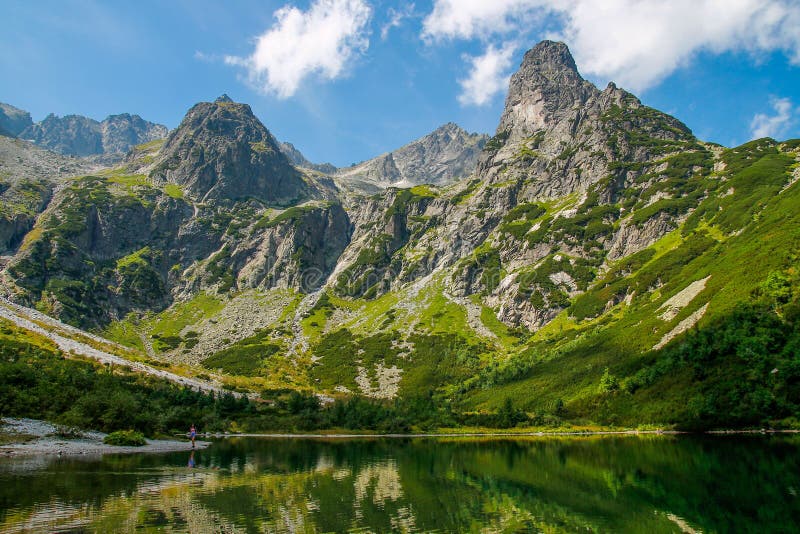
{"points": [[192, 434]]}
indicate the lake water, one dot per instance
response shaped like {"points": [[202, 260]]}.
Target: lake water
{"points": [[543, 484]]}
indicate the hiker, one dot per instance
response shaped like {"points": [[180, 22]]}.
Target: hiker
{"points": [[192, 434]]}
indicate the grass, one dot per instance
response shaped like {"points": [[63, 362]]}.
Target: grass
{"points": [[245, 357], [129, 181], [164, 328], [497, 327], [151, 146], [174, 191]]}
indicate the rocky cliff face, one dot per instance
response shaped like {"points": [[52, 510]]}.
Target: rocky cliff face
{"points": [[559, 133], [73, 134], [445, 155], [76, 135], [573, 179], [13, 120], [222, 151]]}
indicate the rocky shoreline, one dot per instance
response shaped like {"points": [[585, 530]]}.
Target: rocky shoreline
{"points": [[31, 437]]}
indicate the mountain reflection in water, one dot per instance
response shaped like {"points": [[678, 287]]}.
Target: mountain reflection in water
{"points": [[621, 484]]}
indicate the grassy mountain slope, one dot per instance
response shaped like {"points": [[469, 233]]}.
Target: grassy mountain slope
{"points": [[745, 244], [727, 269]]}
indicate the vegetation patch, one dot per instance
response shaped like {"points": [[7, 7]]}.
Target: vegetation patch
{"points": [[174, 191], [125, 438], [497, 142], [246, 357]]}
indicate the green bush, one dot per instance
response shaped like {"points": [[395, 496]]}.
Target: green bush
{"points": [[125, 438]]}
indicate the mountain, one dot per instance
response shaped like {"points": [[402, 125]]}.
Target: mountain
{"points": [[13, 120], [595, 263], [76, 135], [443, 156], [299, 160], [221, 150], [180, 217]]}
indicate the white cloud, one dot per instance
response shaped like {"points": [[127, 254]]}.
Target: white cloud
{"points": [[633, 42], [466, 19], [764, 125], [488, 76], [396, 17], [319, 41]]}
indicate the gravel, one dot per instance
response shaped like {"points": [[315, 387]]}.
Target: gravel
{"points": [[47, 442]]}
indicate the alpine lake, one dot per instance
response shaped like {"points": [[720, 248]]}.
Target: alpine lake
{"points": [[619, 483]]}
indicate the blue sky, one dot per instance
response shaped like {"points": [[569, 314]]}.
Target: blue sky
{"points": [[341, 82]]}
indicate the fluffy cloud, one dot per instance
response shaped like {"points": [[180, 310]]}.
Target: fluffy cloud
{"points": [[764, 125], [634, 42], [488, 76], [319, 41], [466, 19]]}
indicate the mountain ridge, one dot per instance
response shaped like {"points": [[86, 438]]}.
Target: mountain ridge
{"points": [[438, 158], [76, 135], [594, 235]]}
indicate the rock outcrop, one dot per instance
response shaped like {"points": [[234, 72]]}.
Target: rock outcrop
{"points": [[13, 121], [559, 138]]}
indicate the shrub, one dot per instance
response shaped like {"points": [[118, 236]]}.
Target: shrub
{"points": [[125, 438]]}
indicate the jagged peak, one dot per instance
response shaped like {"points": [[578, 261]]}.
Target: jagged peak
{"points": [[550, 57], [223, 99], [449, 126]]}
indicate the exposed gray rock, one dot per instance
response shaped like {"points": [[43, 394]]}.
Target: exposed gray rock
{"points": [[77, 135], [299, 160], [121, 132], [222, 151], [73, 134], [548, 203], [13, 120], [439, 158]]}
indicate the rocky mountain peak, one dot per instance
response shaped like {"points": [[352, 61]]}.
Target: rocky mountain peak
{"points": [[76, 135], [545, 89], [222, 151], [123, 131], [559, 133], [550, 58], [441, 157], [223, 98]]}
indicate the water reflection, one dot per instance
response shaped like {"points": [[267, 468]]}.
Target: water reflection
{"points": [[631, 484]]}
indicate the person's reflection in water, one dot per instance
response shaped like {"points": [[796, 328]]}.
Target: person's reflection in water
{"points": [[191, 460]]}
